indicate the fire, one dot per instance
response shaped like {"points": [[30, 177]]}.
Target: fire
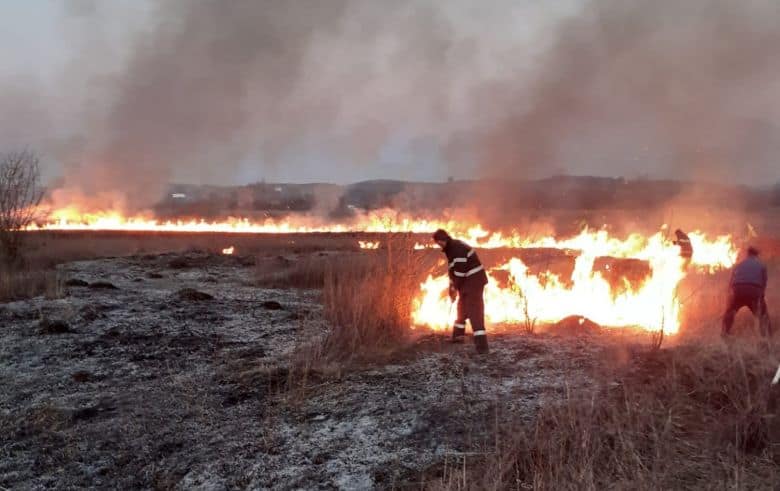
{"points": [[421, 247], [379, 221], [547, 298], [228, 251]]}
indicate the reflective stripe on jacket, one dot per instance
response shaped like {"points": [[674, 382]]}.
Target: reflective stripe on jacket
{"points": [[463, 265]]}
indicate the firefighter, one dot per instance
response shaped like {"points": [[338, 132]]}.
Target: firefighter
{"points": [[748, 289], [686, 249], [467, 283]]}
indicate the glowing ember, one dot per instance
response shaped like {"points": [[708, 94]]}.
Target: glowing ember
{"points": [[228, 251], [365, 244], [420, 247]]}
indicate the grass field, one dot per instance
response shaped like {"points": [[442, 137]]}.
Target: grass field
{"points": [[548, 410]]}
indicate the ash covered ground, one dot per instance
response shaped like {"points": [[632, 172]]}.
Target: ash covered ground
{"points": [[171, 371]]}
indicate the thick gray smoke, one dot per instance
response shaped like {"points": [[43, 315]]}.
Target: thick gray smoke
{"points": [[503, 88], [680, 89]]}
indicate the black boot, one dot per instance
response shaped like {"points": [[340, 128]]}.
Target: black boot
{"points": [[480, 341], [458, 333]]}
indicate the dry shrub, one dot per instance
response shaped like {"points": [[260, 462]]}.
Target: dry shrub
{"points": [[20, 194], [687, 417], [20, 284], [368, 303]]}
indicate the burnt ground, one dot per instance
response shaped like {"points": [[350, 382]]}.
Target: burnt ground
{"points": [[171, 371]]}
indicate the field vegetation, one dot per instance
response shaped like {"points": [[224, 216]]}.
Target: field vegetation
{"points": [[690, 413]]}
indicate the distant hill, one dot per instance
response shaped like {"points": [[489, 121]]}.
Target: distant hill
{"points": [[553, 193]]}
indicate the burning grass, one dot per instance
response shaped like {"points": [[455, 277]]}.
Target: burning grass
{"points": [[687, 417]]}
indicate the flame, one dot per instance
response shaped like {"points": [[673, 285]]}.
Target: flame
{"points": [[546, 298], [524, 297], [420, 247], [719, 251], [379, 221], [228, 251]]}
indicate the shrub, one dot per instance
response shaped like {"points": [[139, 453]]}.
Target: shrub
{"points": [[368, 304], [20, 195]]}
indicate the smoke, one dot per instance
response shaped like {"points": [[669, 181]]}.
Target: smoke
{"points": [[663, 88], [211, 88], [200, 91], [207, 83]]}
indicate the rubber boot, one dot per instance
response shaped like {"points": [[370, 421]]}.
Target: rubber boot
{"points": [[480, 341], [458, 333]]}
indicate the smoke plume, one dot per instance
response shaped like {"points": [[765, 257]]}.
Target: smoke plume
{"points": [[506, 89], [679, 89]]}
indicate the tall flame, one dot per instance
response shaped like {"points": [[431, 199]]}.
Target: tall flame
{"points": [[546, 298]]}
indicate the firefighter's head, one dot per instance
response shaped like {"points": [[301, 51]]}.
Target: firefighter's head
{"points": [[441, 237], [752, 252]]}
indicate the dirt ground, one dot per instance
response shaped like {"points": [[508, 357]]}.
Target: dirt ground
{"points": [[135, 378]]}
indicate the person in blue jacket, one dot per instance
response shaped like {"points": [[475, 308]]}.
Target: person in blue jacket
{"points": [[748, 289]]}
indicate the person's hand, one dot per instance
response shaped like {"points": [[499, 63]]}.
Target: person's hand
{"points": [[453, 292]]}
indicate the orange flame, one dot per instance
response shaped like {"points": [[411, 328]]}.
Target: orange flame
{"points": [[228, 251], [546, 298]]}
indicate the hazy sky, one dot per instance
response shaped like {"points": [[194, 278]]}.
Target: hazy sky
{"points": [[137, 92]]}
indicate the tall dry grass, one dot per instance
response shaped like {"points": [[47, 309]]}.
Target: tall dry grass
{"points": [[368, 303], [18, 284], [307, 272], [691, 417]]}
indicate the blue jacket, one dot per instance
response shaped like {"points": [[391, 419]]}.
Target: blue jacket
{"points": [[751, 271]]}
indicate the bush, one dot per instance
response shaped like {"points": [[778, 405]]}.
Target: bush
{"points": [[368, 304], [20, 195]]}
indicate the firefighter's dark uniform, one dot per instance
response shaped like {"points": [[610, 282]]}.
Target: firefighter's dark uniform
{"points": [[686, 249], [468, 277], [748, 287]]}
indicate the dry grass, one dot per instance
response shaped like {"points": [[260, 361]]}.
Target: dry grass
{"points": [[307, 272], [685, 418], [368, 303], [20, 284]]}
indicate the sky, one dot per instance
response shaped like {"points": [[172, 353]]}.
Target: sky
{"points": [[127, 95]]}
